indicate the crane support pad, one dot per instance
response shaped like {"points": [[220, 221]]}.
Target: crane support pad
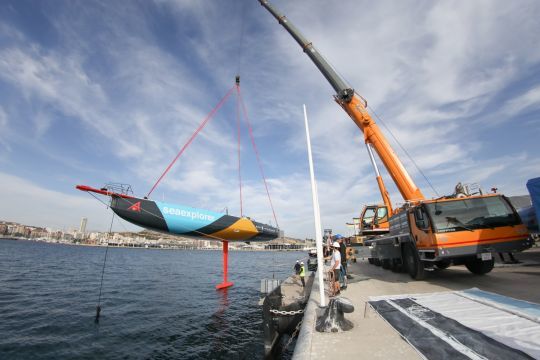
{"points": [[468, 324]]}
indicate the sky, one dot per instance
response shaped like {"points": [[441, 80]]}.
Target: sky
{"points": [[93, 92]]}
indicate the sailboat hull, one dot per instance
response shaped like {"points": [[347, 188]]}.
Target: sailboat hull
{"points": [[188, 221]]}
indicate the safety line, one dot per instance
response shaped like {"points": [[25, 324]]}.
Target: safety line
{"points": [[98, 307], [98, 199], [201, 126], [250, 131]]}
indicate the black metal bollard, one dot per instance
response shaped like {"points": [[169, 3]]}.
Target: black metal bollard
{"points": [[333, 319]]}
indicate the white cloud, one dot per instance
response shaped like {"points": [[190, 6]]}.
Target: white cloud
{"points": [[26, 202], [134, 123], [530, 100], [4, 133]]}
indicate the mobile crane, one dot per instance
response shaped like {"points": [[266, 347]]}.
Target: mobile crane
{"points": [[423, 233]]}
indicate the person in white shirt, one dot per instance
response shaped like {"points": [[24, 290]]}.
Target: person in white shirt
{"points": [[335, 263]]}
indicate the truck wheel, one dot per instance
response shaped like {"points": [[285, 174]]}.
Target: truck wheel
{"points": [[396, 265], [376, 262], [443, 264], [370, 260], [479, 267], [386, 264], [415, 267]]}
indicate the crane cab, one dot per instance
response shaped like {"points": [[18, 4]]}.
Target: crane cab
{"points": [[374, 220]]}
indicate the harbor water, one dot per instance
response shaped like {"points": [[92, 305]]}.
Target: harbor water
{"points": [[159, 304]]}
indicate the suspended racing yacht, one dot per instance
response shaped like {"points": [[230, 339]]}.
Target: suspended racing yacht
{"points": [[187, 221], [183, 220]]}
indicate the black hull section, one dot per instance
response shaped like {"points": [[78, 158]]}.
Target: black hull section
{"points": [[140, 212]]}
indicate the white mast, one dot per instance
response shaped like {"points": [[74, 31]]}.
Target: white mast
{"points": [[316, 215]]}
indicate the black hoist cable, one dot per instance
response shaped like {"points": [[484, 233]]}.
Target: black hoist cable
{"points": [[241, 36], [98, 308]]}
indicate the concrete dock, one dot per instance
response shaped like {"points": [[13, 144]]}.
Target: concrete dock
{"points": [[372, 337]]}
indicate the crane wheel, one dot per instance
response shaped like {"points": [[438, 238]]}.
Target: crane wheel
{"points": [[479, 267], [370, 260], [415, 267], [386, 264], [376, 262]]}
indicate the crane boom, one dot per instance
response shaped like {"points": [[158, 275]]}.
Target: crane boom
{"points": [[343, 90], [356, 107]]}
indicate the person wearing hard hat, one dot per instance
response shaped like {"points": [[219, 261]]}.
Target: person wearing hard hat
{"points": [[302, 273], [297, 267], [335, 264]]}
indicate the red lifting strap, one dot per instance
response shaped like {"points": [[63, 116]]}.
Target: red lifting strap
{"points": [[256, 153], [193, 136]]}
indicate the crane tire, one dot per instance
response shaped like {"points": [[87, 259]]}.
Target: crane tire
{"points": [[479, 267], [415, 267]]}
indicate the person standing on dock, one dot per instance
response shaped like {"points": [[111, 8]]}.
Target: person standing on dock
{"points": [[302, 274], [297, 267], [335, 266], [343, 254]]}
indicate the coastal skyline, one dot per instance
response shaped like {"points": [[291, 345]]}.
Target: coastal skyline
{"points": [[96, 92], [17, 231]]}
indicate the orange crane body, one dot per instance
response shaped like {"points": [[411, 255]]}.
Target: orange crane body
{"points": [[356, 108], [423, 233]]}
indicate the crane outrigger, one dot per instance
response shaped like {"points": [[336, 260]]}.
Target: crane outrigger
{"points": [[424, 232]]}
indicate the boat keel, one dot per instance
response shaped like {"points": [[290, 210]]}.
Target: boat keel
{"points": [[225, 284]]}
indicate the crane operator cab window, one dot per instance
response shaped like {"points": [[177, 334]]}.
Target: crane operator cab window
{"points": [[373, 216], [421, 218], [368, 217], [382, 215]]}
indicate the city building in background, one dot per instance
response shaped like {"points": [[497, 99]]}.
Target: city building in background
{"points": [[82, 228]]}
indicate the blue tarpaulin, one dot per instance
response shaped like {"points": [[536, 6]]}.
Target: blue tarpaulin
{"points": [[533, 185]]}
